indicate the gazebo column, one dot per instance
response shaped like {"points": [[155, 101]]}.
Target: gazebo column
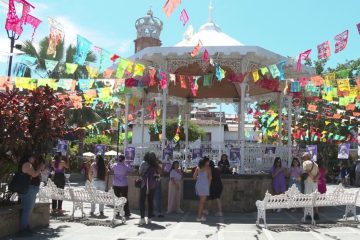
{"points": [[280, 106], [242, 126], [186, 130], [127, 100], [289, 121], [164, 113]]}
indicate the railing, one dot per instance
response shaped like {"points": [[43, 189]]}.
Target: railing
{"points": [[257, 157]]}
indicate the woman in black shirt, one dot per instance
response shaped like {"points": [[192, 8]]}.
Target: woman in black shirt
{"points": [[224, 165]]}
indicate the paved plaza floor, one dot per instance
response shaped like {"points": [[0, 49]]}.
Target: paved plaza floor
{"points": [[284, 225]]}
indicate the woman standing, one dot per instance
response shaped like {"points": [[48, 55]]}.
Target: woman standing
{"points": [[59, 166], [174, 189], [203, 179], [98, 173], [224, 165], [216, 188], [295, 174], [148, 171], [278, 175], [322, 175], [29, 167], [120, 182]]}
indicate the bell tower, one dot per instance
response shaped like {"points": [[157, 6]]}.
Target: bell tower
{"points": [[148, 31]]}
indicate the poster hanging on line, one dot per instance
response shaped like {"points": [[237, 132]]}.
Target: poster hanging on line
{"points": [[130, 154], [197, 155], [235, 155], [344, 150], [270, 150], [100, 149], [62, 147], [167, 154], [312, 150]]}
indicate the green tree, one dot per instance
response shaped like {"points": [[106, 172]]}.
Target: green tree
{"points": [[195, 131]]}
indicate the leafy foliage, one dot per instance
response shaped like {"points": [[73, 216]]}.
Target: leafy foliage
{"points": [[31, 122], [195, 132]]}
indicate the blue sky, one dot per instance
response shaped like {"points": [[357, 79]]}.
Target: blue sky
{"points": [[282, 26]]}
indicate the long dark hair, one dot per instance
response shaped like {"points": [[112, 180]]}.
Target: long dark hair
{"points": [[23, 160], [277, 159], [57, 159], [293, 162], [203, 162], [223, 155], [100, 164], [173, 164], [151, 159]]}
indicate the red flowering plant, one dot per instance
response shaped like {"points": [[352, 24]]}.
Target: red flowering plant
{"points": [[30, 122]]}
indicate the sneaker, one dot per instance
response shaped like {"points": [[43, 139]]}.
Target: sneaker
{"points": [[205, 212], [142, 221], [219, 214], [149, 221], [202, 219]]}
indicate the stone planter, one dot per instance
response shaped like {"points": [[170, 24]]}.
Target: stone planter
{"points": [[10, 218]]}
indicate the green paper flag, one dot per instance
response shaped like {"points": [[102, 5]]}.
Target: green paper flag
{"points": [[274, 71], [71, 68], [264, 70], [207, 80], [122, 66]]}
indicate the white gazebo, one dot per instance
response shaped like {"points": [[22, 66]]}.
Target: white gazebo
{"points": [[234, 57]]}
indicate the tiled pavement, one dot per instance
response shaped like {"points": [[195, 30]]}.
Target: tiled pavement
{"points": [[284, 225]]}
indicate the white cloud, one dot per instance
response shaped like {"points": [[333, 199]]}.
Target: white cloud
{"points": [[124, 46]]}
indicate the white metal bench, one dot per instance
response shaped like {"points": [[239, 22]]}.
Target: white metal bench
{"points": [[292, 198], [79, 196]]}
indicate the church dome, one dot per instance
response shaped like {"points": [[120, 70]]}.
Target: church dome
{"points": [[210, 34]]}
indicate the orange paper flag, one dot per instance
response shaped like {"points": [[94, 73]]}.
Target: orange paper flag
{"points": [[196, 49], [350, 107], [170, 6], [312, 108], [317, 80]]}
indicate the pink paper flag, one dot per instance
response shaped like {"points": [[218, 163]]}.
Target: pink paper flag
{"points": [[341, 41], [184, 17], [324, 50], [170, 6], [303, 56], [206, 56], [196, 49], [34, 22]]}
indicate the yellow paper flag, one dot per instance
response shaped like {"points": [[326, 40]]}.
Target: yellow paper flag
{"points": [[343, 85], [255, 75]]}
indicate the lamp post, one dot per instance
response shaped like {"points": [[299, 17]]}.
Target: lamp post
{"points": [[118, 115], [13, 37]]}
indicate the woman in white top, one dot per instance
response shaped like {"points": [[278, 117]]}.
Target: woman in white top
{"points": [[174, 189]]}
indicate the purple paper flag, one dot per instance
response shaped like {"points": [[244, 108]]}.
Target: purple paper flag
{"points": [[358, 27]]}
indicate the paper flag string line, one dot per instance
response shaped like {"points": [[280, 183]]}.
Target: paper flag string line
{"points": [[303, 56], [324, 50], [170, 6], [196, 49], [70, 68], [82, 49], [50, 65], [184, 17], [341, 41]]}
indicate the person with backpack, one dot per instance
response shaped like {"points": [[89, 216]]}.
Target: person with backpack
{"points": [[149, 175]]}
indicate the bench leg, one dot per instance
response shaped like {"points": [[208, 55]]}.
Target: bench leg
{"points": [[261, 214], [308, 211], [350, 209]]}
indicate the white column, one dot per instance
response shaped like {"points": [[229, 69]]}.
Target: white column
{"points": [[186, 130], [280, 106], [127, 99], [164, 113], [239, 127], [242, 125], [289, 122]]}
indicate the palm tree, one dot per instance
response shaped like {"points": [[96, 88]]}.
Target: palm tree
{"points": [[59, 72]]}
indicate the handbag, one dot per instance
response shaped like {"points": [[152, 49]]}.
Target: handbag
{"points": [[20, 183]]}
